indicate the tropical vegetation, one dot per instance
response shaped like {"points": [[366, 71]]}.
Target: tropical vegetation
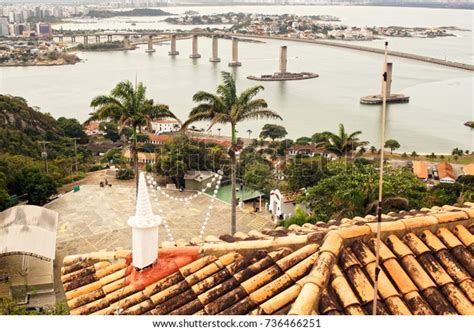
{"points": [[226, 106], [128, 106]]}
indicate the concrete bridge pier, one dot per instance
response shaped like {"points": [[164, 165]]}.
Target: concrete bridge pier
{"points": [[150, 45], [215, 50], [283, 59], [235, 54], [73, 39], [195, 54], [61, 39], [97, 39], [173, 50], [389, 79], [86, 40], [126, 42], [109, 38]]}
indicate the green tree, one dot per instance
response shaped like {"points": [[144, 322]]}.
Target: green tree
{"points": [[305, 172], [72, 128], [354, 192], [273, 132], [303, 141], [10, 307], [129, 107], [38, 186], [227, 107], [319, 137], [111, 130], [258, 176], [114, 156], [343, 143], [4, 196], [392, 144], [458, 151], [373, 150], [299, 218]]}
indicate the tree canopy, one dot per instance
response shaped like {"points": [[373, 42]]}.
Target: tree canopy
{"points": [[392, 144], [273, 132]]}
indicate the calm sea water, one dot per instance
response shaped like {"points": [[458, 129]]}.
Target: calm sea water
{"points": [[441, 97]]}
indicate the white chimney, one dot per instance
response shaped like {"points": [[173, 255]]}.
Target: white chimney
{"points": [[144, 229]]}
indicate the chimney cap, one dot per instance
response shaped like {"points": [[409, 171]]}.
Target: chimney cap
{"points": [[144, 217]]}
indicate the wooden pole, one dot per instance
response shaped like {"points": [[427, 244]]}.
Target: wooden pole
{"points": [[379, 207]]}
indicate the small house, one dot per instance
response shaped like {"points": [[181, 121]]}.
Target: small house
{"points": [[282, 205]]}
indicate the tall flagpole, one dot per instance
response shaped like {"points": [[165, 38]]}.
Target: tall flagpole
{"points": [[379, 206]]}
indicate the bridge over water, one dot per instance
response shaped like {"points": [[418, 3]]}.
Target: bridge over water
{"points": [[235, 62]]}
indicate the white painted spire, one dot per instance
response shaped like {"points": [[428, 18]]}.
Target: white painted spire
{"points": [[144, 229]]}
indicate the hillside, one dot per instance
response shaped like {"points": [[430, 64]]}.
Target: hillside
{"points": [[22, 128]]}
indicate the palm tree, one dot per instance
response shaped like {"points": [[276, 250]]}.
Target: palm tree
{"points": [[249, 132], [342, 143], [128, 106], [227, 107]]}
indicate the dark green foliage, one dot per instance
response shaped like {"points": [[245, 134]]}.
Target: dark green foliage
{"points": [[259, 176], [354, 191], [134, 12], [4, 196], [10, 307], [146, 148], [392, 144], [299, 218], [303, 141], [72, 128], [37, 185], [181, 154], [114, 156], [111, 130], [124, 174], [273, 131], [306, 172]]}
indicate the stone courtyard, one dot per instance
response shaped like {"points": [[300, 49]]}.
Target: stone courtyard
{"points": [[95, 218]]}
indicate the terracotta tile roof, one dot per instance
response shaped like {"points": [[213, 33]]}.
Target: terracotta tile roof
{"points": [[426, 260], [215, 141], [420, 169], [161, 138], [468, 169], [446, 170]]}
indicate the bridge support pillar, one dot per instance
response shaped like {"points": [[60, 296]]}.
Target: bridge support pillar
{"points": [[97, 39], [215, 50], [283, 59], [150, 45], [109, 38], [389, 79], [73, 39], [126, 42], [173, 50], [235, 54], [195, 54], [61, 39], [86, 40]]}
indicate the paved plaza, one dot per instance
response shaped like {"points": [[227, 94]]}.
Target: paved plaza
{"points": [[95, 218]]}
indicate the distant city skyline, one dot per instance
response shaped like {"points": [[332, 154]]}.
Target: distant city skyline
{"points": [[153, 2]]}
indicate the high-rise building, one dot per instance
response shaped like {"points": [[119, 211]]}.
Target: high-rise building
{"points": [[38, 12], [4, 26], [43, 29], [19, 28]]}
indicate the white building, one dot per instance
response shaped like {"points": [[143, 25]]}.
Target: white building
{"points": [[165, 126], [4, 26], [282, 205]]}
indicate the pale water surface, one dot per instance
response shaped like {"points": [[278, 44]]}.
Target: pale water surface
{"points": [[441, 97]]}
